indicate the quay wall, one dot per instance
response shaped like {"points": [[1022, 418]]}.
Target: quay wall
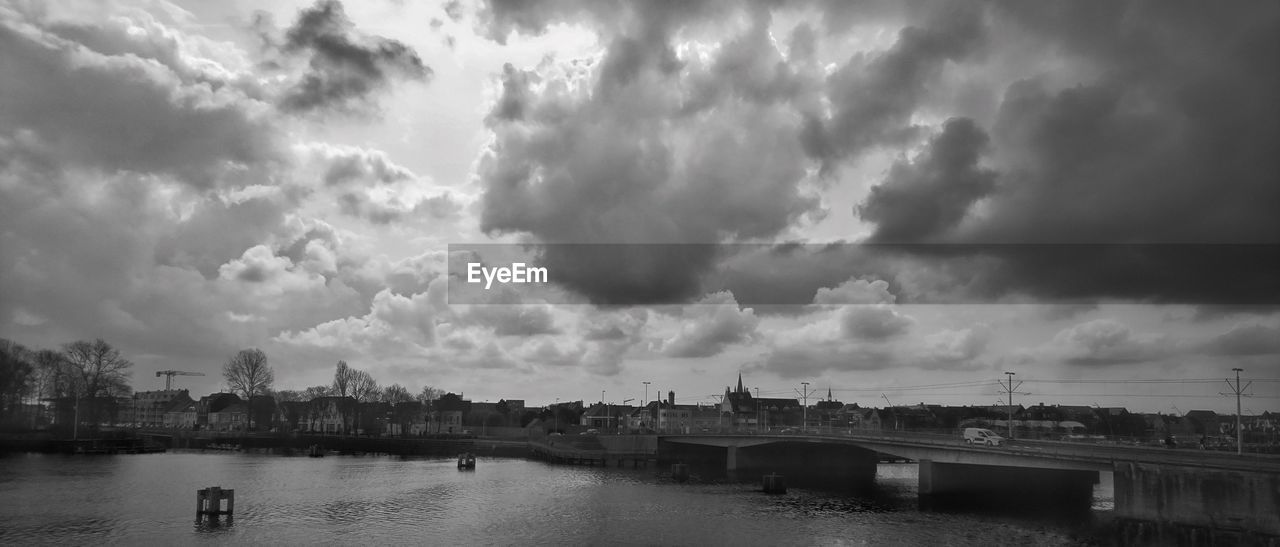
{"points": [[1201, 506]]}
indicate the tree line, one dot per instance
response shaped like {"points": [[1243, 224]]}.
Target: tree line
{"points": [[354, 383], [96, 370], [79, 370]]}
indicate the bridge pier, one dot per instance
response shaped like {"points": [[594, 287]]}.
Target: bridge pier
{"points": [[804, 464], [958, 485], [1183, 505]]}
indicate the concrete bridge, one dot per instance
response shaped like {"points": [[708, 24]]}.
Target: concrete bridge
{"points": [[1161, 495]]}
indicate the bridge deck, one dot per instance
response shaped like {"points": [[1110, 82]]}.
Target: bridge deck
{"points": [[946, 448]]}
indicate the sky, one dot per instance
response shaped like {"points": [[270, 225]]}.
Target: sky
{"points": [[896, 202]]}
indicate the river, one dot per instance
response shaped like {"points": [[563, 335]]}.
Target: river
{"points": [[150, 499]]}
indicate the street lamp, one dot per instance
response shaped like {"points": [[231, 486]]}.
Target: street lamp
{"points": [[1010, 389]]}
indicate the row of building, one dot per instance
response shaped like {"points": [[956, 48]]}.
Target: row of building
{"points": [[737, 410], [339, 415]]}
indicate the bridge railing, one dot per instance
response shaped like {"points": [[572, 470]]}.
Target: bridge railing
{"points": [[1067, 450]]}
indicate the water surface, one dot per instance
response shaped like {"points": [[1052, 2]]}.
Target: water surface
{"points": [[150, 499]]}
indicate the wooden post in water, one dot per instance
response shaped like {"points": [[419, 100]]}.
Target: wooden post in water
{"points": [[775, 484], [209, 502], [680, 472]]}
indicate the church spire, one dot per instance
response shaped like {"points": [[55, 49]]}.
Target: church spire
{"points": [[740, 390]]}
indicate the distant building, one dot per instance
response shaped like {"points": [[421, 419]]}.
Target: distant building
{"points": [[606, 416], [232, 417], [448, 413], [866, 419], [329, 415], [1204, 422], [210, 409], [408, 419], [759, 412], [181, 414], [148, 408]]}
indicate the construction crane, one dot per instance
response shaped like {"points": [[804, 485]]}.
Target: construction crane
{"points": [[169, 374]]}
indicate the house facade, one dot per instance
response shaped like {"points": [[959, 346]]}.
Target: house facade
{"points": [[148, 408]]}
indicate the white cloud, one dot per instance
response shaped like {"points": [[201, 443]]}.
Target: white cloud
{"points": [[711, 325]]}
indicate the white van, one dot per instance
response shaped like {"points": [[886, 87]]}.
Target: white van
{"points": [[977, 435]]}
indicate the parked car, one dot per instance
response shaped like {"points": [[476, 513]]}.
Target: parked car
{"points": [[986, 437]]}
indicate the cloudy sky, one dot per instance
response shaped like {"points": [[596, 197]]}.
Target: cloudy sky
{"points": [[917, 196]]}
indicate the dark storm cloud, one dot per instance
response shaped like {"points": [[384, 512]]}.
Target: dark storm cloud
{"points": [[515, 94], [345, 67], [1169, 141], [1106, 342], [1253, 339], [873, 97], [1173, 142], [922, 199], [1125, 135], [607, 165]]}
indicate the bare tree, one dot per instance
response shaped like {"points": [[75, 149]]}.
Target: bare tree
{"points": [[98, 368], [17, 377], [286, 395], [54, 377], [342, 378], [248, 374], [95, 371], [396, 394], [363, 388], [429, 394], [314, 392]]}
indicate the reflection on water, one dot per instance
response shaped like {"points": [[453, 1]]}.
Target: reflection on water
{"points": [[214, 526], [385, 500]]}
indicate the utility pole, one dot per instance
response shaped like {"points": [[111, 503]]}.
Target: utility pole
{"points": [[896, 425], [1238, 391], [1009, 389], [804, 411], [617, 422], [758, 413]]}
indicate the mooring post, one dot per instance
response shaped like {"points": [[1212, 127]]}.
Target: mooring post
{"points": [[209, 502]]}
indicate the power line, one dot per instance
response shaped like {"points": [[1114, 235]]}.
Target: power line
{"points": [[1132, 381]]}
